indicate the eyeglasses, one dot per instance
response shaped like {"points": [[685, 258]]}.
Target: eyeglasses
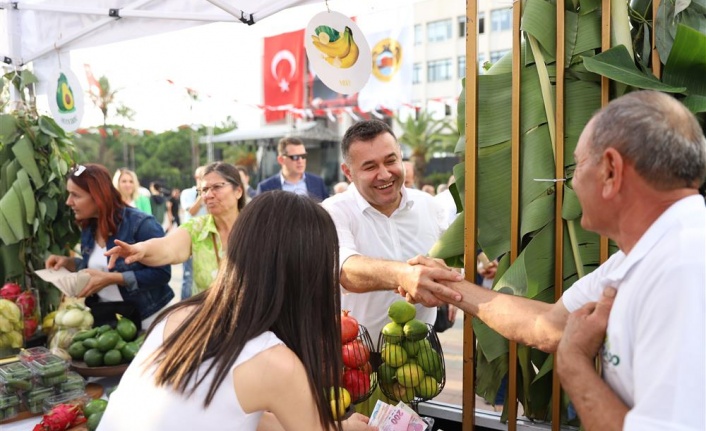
{"points": [[295, 157], [214, 188], [77, 170]]}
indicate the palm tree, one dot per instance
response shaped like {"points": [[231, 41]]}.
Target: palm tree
{"points": [[103, 97], [425, 135]]}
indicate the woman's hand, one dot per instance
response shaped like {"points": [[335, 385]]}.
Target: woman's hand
{"points": [[131, 253], [99, 280], [357, 422], [57, 262]]}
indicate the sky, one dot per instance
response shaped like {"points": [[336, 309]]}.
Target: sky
{"points": [[221, 61]]}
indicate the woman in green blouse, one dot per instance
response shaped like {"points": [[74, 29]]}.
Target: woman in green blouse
{"points": [[205, 238]]}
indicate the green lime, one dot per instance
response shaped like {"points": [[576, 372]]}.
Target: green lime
{"points": [[127, 329], [93, 358], [393, 332], [415, 330], [95, 406], [386, 373], [112, 357], [76, 350], [93, 421], [401, 312], [129, 351], [108, 340], [393, 355], [90, 343]]}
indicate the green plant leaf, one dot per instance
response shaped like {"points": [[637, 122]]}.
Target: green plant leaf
{"points": [[27, 194], [13, 212], [617, 65], [686, 65], [451, 242], [25, 155], [8, 128], [695, 104]]}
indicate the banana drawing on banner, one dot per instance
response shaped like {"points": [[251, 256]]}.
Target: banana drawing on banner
{"points": [[338, 50]]}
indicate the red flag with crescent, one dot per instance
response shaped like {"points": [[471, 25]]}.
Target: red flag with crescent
{"points": [[283, 73]]}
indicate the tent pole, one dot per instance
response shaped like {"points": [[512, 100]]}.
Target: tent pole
{"points": [[125, 13], [13, 58]]}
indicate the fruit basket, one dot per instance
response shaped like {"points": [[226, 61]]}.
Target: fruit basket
{"points": [[359, 377], [412, 367]]}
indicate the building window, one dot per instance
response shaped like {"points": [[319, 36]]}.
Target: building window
{"points": [[417, 73], [418, 34], [500, 19], [497, 55], [439, 70], [462, 26], [438, 31], [461, 66], [481, 23]]}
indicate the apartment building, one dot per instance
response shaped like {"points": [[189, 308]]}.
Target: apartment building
{"points": [[440, 47]]}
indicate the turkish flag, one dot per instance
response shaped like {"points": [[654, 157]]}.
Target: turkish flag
{"points": [[283, 73]]}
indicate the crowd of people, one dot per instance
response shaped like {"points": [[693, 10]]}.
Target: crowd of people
{"points": [[262, 270]]}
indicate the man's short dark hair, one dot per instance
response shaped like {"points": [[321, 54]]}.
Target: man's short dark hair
{"points": [[284, 142], [363, 131]]}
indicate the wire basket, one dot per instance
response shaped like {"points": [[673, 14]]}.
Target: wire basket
{"points": [[411, 370], [359, 377]]}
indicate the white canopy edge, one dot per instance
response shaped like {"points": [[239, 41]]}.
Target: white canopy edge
{"points": [[36, 28], [265, 132]]}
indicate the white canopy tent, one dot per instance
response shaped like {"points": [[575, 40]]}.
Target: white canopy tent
{"points": [[36, 28]]}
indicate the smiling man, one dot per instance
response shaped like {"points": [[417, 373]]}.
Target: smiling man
{"points": [[380, 225], [293, 176]]}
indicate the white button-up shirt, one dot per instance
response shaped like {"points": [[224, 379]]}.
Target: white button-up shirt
{"points": [[362, 230]]}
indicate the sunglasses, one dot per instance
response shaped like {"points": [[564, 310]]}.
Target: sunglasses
{"points": [[295, 157], [77, 170]]}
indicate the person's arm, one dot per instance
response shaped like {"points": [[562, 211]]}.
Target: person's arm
{"points": [[194, 209], [169, 250], [530, 322], [597, 405], [361, 274], [279, 371]]}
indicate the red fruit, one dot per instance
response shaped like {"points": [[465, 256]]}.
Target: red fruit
{"points": [[366, 368], [357, 383], [355, 354], [30, 327], [10, 291], [27, 303], [349, 327]]}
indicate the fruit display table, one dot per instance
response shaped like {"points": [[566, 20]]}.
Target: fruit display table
{"points": [[104, 385]]}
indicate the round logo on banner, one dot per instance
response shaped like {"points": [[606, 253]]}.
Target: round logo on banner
{"points": [[338, 52], [65, 97], [386, 59]]}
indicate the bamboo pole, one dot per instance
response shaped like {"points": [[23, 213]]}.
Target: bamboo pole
{"points": [[559, 188], [605, 97], [511, 400], [656, 62], [470, 205]]}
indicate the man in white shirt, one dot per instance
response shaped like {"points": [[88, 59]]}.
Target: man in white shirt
{"points": [[193, 206], [639, 163], [380, 225]]}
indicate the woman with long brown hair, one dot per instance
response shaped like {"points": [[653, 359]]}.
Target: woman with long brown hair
{"points": [[264, 337]]}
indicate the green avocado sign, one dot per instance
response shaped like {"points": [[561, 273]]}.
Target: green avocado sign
{"points": [[65, 97]]}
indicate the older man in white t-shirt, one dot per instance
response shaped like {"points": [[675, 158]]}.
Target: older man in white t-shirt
{"points": [[639, 164], [380, 225]]}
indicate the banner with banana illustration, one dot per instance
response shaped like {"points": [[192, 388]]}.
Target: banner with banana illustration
{"points": [[338, 52]]}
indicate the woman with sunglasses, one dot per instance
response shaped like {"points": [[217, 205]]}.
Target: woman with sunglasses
{"points": [[262, 338], [104, 219], [203, 237]]}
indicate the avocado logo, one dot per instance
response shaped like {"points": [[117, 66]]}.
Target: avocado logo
{"points": [[64, 95], [387, 59]]}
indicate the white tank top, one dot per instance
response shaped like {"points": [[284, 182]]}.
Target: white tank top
{"points": [[137, 404]]}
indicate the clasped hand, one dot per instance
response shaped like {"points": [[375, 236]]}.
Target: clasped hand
{"points": [[422, 282]]}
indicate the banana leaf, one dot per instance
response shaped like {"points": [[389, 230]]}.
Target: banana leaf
{"points": [[686, 65]]}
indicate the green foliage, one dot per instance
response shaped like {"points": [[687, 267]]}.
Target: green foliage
{"points": [[425, 135], [35, 156]]}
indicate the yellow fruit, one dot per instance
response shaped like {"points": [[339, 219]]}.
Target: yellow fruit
{"points": [[393, 332], [427, 388], [401, 312], [338, 49], [48, 322], [343, 395], [410, 375], [393, 355], [337, 412], [350, 59]]}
